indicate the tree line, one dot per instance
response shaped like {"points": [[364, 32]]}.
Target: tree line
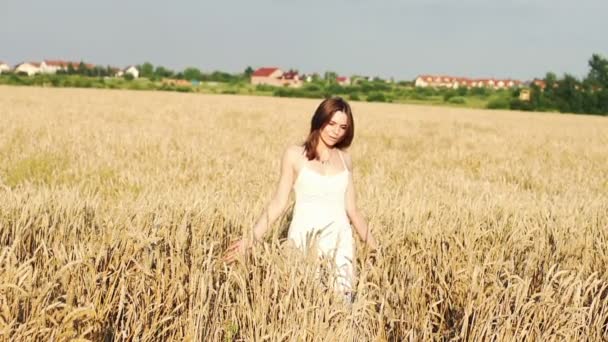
{"points": [[148, 70], [569, 94], [566, 94], [155, 73]]}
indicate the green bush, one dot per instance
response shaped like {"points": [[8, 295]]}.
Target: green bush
{"points": [[447, 95], [498, 103], [462, 91], [479, 91], [184, 89], [264, 87], [457, 100], [312, 87], [374, 86], [377, 97], [335, 89], [290, 92], [518, 104], [403, 93], [417, 96], [354, 97], [82, 82], [428, 91]]}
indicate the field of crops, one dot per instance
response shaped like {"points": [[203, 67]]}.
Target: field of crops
{"points": [[115, 208]]}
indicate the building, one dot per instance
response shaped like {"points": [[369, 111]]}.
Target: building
{"points": [[4, 67], [29, 68], [178, 83], [343, 80], [276, 77], [524, 95], [267, 76], [130, 70], [540, 83], [290, 79], [436, 81], [133, 71], [53, 66]]}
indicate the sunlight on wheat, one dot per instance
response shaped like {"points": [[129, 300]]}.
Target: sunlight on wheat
{"points": [[115, 206]]}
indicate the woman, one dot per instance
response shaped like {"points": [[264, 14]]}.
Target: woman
{"points": [[320, 173]]}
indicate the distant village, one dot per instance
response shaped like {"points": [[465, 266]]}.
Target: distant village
{"points": [[274, 76], [55, 66]]}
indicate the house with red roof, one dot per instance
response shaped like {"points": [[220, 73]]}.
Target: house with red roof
{"points": [[423, 81], [268, 75], [343, 80], [436, 81], [52, 66], [540, 83], [276, 77]]}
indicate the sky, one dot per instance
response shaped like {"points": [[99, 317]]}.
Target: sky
{"points": [[519, 39]]}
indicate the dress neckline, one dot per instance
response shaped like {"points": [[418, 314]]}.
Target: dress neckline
{"points": [[345, 170], [320, 174]]}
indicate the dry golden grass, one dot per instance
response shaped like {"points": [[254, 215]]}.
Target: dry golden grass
{"points": [[115, 206]]}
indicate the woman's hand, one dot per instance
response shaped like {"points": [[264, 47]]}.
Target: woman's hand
{"points": [[375, 255], [372, 244], [237, 248]]}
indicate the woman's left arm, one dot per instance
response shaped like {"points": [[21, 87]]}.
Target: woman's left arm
{"points": [[353, 213]]}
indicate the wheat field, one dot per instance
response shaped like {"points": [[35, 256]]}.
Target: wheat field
{"points": [[115, 208]]}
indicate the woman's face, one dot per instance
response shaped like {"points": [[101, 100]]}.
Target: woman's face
{"points": [[335, 129]]}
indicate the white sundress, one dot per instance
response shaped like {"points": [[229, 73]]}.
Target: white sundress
{"points": [[320, 211]]}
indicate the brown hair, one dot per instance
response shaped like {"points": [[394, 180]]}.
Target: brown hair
{"points": [[321, 118]]}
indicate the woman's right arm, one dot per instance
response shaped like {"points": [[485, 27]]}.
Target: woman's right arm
{"points": [[273, 210], [278, 203]]}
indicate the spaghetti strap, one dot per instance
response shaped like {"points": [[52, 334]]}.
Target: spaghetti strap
{"points": [[343, 162]]}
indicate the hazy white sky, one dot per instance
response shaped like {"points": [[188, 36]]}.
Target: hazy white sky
{"points": [[388, 38]]}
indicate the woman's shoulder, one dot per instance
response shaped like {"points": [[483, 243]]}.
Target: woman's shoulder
{"points": [[347, 159], [295, 148], [294, 151]]}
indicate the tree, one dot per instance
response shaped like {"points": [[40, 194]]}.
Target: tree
{"points": [[598, 75], [568, 96], [220, 76], [463, 91], [547, 100], [82, 69], [71, 70], [192, 73], [99, 71], [550, 81], [110, 71], [330, 77], [596, 86], [248, 72], [146, 70], [161, 72]]}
